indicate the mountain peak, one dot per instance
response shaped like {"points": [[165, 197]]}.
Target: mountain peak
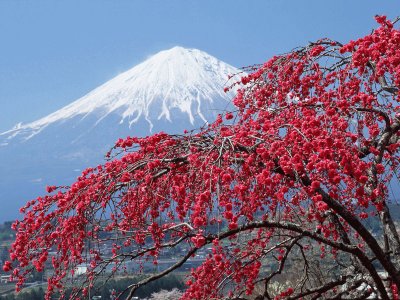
{"points": [[177, 51], [177, 81], [173, 90]]}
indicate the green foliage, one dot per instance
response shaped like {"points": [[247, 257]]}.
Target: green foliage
{"points": [[32, 294], [105, 290]]}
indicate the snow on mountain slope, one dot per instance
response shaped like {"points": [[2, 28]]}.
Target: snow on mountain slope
{"points": [[173, 90], [187, 80]]}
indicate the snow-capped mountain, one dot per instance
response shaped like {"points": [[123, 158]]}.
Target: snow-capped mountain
{"points": [[175, 83], [173, 90]]}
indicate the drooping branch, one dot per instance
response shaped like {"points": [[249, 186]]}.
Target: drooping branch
{"points": [[132, 288]]}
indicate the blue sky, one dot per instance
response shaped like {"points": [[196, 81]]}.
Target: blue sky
{"points": [[53, 52]]}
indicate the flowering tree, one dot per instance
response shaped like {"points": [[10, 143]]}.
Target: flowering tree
{"points": [[281, 189], [174, 294]]}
